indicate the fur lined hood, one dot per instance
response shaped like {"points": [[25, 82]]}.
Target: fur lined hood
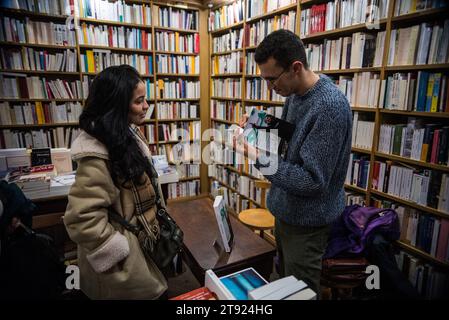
{"points": [[87, 146]]}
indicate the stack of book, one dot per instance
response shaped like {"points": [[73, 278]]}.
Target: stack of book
{"points": [[248, 284]]}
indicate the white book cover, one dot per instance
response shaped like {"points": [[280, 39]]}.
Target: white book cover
{"points": [[224, 225], [306, 294]]}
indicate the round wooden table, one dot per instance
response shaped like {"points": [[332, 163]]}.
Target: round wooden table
{"points": [[257, 219]]}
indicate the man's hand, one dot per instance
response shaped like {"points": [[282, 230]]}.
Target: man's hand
{"points": [[244, 120], [241, 146]]}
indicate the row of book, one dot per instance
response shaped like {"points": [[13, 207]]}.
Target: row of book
{"points": [[171, 17], [97, 60], [179, 131], [361, 50], [244, 185], [177, 110], [425, 232], [60, 137], [38, 32], [224, 175], [188, 170], [184, 189], [255, 32], [415, 91], [18, 86], [177, 89], [149, 87], [352, 198], [226, 110], [115, 37], [229, 63], [39, 113], [417, 231], [38, 60], [424, 187], [227, 88], [361, 90], [341, 13], [118, 11], [226, 15], [174, 41], [430, 282], [256, 8], [362, 132], [232, 40], [257, 89], [426, 43], [358, 171], [177, 64], [406, 7], [233, 200], [252, 68], [53, 7], [11, 159], [181, 152], [417, 141]]}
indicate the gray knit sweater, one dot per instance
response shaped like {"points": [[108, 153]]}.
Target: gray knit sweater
{"points": [[307, 189]]}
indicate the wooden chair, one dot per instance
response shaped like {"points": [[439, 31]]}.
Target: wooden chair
{"points": [[258, 219]]}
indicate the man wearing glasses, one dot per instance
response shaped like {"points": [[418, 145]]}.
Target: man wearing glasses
{"points": [[307, 192]]}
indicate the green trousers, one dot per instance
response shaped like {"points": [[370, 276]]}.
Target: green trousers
{"points": [[300, 251]]}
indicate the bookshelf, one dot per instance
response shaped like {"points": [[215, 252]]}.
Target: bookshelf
{"points": [[135, 23], [236, 36], [392, 15]]}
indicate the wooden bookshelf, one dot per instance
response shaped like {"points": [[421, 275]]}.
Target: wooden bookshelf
{"points": [[410, 204], [272, 13], [417, 16], [36, 45], [341, 31], [375, 114], [413, 162], [81, 48], [89, 46], [225, 52], [422, 254], [115, 23], [440, 115]]}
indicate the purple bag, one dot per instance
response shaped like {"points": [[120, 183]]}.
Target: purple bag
{"points": [[353, 230]]}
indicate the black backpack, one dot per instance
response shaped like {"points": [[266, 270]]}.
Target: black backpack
{"points": [[30, 267]]}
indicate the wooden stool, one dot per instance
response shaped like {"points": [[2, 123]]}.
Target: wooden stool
{"points": [[257, 219]]}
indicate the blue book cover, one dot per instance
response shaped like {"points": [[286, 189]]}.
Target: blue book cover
{"points": [[241, 282], [422, 91]]}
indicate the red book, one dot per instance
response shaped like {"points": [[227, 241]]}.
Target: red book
{"points": [[435, 143], [323, 17], [197, 43], [443, 239], [375, 180], [110, 36]]}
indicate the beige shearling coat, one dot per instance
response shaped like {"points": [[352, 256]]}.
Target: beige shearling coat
{"points": [[111, 263]]}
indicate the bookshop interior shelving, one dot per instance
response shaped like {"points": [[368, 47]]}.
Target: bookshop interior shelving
{"points": [[392, 64], [373, 73]]}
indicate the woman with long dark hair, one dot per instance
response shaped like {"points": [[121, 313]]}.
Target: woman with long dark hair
{"points": [[114, 173]]}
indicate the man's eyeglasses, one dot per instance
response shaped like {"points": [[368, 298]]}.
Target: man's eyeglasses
{"points": [[272, 80]]}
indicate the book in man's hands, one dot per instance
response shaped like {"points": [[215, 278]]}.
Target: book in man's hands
{"points": [[224, 224]]}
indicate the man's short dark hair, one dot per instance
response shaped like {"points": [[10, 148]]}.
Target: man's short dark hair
{"points": [[284, 46]]}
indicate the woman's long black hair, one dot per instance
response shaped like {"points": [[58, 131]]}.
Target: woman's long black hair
{"points": [[105, 117]]}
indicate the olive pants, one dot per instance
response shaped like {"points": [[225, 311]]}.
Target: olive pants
{"points": [[300, 251]]}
